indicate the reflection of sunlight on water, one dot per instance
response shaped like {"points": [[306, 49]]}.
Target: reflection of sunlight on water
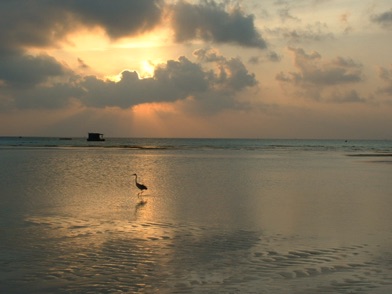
{"points": [[97, 255], [141, 211], [85, 231], [292, 196], [154, 172]]}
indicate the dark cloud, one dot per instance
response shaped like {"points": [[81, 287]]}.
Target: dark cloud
{"points": [[347, 97], [119, 18], [314, 76], [386, 75], [314, 72], [82, 64], [32, 23], [316, 32], [232, 73], [285, 7], [271, 56], [208, 55], [53, 96], [310, 33], [172, 81], [34, 81], [210, 79], [215, 22], [235, 76], [175, 80], [384, 19], [254, 60], [45, 22], [22, 70]]}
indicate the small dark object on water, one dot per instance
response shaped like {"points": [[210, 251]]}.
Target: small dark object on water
{"points": [[95, 137]]}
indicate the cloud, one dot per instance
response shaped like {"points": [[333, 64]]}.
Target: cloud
{"points": [[314, 72], [119, 18], [22, 70], [231, 75], [42, 24], [208, 55], [284, 11], [344, 20], [212, 78], [315, 75], [32, 23], [214, 22], [40, 81], [316, 32], [384, 19], [271, 56], [347, 97], [54, 96], [386, 75], [82, 64], [45, 23], [175, 80], [285, 14]]}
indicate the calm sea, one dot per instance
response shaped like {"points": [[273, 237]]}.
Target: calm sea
{"points": [[219, 216]]}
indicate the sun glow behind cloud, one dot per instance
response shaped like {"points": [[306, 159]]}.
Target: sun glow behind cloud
{"points": [[150, 117], [99, 55], [145, 69]]}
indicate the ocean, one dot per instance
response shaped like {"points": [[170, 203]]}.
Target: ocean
{"points": [[219, 216]]}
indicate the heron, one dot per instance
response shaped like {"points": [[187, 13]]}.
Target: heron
{"points": [[141, 187]]}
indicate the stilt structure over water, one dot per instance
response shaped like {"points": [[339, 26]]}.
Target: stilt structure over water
{"points": [[95, 137]]}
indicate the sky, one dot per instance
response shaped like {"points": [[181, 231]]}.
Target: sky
{"points": [[317, 69]]}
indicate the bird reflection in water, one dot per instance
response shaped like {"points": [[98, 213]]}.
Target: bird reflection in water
{"points": [[140, 205]]}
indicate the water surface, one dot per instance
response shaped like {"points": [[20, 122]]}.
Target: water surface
{"points": [[222, 216]]}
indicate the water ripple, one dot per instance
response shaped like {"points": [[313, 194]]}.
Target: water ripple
{"points": [[92, 256]]}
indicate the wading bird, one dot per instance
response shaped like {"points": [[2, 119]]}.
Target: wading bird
{"points": [[141, 187]]}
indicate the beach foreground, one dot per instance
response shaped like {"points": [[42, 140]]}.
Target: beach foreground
{"points": [[214, 221]]}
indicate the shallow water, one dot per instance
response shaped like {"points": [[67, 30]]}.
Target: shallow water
{"points": [[217, 220]]}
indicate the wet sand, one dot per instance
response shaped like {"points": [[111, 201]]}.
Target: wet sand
{"points": [[83, 256]]}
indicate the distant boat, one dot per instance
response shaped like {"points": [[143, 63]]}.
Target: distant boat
{"points": [[95, 137]]}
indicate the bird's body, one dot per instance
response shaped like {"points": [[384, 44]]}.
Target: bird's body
{"points": [[141, 187]]}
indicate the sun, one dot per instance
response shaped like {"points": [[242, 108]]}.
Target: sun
{"points": [[147, 69]]}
